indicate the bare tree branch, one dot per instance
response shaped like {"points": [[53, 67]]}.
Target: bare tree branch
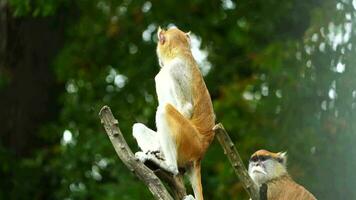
{"points": [[124, 152], [175, 183], [236, 162]]}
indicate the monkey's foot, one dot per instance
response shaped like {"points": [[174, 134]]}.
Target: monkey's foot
{"points": [[158, 154], [173, 170], [188, 197], [141, 156]]}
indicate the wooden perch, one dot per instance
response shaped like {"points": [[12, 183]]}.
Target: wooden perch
{"points": [[236, 162], [175, 183], [124, 152], [148, 174]]}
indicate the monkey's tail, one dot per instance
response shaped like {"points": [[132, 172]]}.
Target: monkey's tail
{"points": [[194, 175]]}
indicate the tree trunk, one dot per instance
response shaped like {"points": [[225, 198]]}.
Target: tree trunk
{"points": [[3, 32], [28, 98]]}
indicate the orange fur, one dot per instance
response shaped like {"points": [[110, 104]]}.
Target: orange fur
{"points": [[284, 188], [192, 136], [186, 136], [263, 152]]}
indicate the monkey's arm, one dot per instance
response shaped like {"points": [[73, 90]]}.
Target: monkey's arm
{"points": [[182, 87]]}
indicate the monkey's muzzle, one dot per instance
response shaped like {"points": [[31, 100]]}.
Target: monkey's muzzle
{"points": [[259, 169]]}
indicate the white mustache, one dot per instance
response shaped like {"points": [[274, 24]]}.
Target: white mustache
{"points": [[259, 169]]}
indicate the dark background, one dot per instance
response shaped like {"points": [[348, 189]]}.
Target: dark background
{"points": [[281, 75]]}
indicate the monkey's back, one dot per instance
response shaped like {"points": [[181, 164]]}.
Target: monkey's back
{"points": [[203, 115], [285, 188]]}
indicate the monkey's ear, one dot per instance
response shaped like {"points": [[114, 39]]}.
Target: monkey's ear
{"points": [[160, 36], [283, 156], [187, 34]]}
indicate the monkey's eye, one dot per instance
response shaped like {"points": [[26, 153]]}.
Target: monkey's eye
{"points": [[263, 158], [254, 159]]}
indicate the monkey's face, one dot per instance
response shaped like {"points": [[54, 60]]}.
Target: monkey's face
{"points": [[264, 167], [171, 42]]}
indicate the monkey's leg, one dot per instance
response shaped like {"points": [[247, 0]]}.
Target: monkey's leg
{"points": [[149, 143], [189, 145], [167, 142], [146, 138]]}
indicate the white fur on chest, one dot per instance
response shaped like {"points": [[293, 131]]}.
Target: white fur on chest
{"points": [[164, 87], [173, 86]]}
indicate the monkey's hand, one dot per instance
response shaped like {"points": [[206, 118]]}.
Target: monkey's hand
{"points": [[187, 110], [188, 197]]}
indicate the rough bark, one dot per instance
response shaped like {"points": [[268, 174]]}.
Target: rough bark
{"points": [[175, 184], [236, 162]]}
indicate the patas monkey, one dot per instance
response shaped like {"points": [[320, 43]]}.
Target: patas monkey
{"points": [[270, 168], [184, 117]]}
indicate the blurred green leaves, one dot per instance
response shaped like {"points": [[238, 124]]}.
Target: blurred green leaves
{"points": [[282, 78], [36, 8]]}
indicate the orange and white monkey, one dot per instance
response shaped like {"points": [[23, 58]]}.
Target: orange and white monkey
{"points": [[270, 168], [184, 117]]}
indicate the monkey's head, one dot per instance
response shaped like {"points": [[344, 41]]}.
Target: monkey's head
{"points": [[265, 166], [171, 44]]}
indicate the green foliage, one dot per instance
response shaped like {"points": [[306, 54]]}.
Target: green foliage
{"points": [[278, 81], [36, 8]]}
